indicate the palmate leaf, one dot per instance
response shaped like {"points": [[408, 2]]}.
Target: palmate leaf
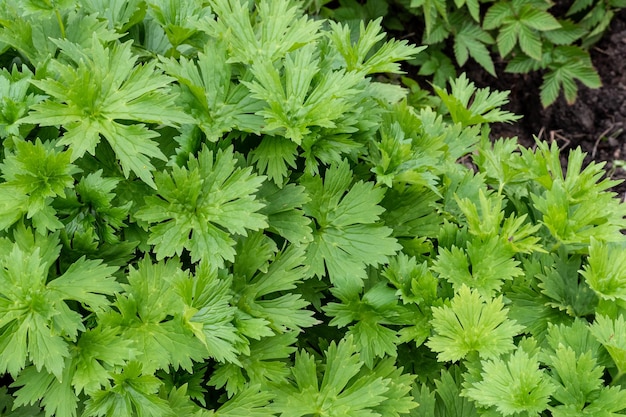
{"points": [[347, 237], [208, 312], [216, 103], [577, 205], [95, 354], [276, 28], [98, 351], [611, 333], [181, 21], [576, 377], [56, 396], [267, 360], [302, 97], [560, 282], [34, 35], [35, 321], [89, 210], [283, 208], [119, 14], [200, 206], [374, 312], [8, 409], [484, 265], [150, 314], [262, 285], [133, 393], [34, 174], [15, 101], [513, 385], [469, 105], [343, 390], [472, 324], [96, 92], [359, 56], [274, 156], [605, 271]]}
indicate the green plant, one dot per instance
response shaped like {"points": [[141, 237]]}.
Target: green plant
{"points": [[531, 35], [217, 210]]}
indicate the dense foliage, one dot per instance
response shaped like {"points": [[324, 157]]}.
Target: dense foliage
{"points": [[552, 37], [223, 208]]}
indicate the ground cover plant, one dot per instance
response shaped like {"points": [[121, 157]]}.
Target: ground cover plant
{"points": [[224, 208]]}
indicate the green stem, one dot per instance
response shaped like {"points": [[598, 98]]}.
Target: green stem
{"points": [[616, 379], [61, 25]]}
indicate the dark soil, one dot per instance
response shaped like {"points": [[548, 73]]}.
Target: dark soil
{"points": [[596, 121]]}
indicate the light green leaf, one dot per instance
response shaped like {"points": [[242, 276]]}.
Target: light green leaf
{"points": [[514, 385], [98, 89], [472, 324], [605, 270], [199, 207]]}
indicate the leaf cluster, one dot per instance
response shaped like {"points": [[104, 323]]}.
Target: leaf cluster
{"points": [[225, 208]]}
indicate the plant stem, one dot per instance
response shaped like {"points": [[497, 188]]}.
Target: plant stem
{"points": [[60, 20]]}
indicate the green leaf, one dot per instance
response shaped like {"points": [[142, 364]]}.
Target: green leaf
{"points": [[360, 56], [514, 385], [36, 322], [101, 88], [34, 174], [200, 207], [90, 209], [470, 40], [133, 393], [449, 401], [283, 208], [530, 42], [472, 324], [484, 107], [497, 14], [569, 63], [507, 38], [611, 333], [560, 282], [276, 27], [301, 98], [373, 312], [347, 237], [576, 376], [15, 102], [88, 282], [180, 20], [266, 361], [150, 314], [538, 19], [415, 282], [342, 391], [55, 395], [216, 103], [274, 156], [263, 294], [119, 14], [252, 402], [97, 352], [490, 263], [604, 271], [208, 313]]}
